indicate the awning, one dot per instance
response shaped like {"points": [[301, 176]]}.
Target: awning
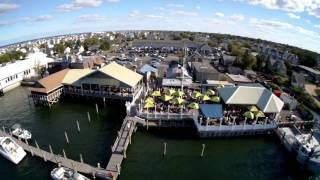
{"points": [[213, 111]]}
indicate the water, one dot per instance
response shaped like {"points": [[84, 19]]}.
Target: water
{"points": [[237, 158]]}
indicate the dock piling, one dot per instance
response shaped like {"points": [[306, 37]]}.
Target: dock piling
{"points": [[89, 118], [64, 154], [97, 109], [164, 149], [202, 151], [4, 129], [78, 126], [66, 136], [81, 159], [50, 148], [98, 165]]}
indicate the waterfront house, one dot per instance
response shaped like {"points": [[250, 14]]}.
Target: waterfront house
{"points": [[112, 81], [11, 74]]}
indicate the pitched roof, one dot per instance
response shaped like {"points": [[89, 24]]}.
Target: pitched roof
{"points": [[75, 74], [252, 95], [121, 73], [147, 68], [51, 82]]}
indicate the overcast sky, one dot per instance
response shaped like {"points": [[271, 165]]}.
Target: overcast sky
{"points": [[294, 22]]}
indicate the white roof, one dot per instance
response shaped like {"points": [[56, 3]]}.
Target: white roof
{"points": [[31, 61], [252, 95], [238, 78]]}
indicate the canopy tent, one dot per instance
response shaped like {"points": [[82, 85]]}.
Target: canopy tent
{"points": [[149, 105], [170, 91], [166, 98], [149, 100], [248, 115], [193, 105], [259, 114], [156, 93], [213, 111], [196, 94], [178, 93], [210, 92], [178, 101], [215, 99], [253, 108], [206, 98]]}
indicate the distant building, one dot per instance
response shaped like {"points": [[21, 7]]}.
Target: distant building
{"points": [[227, 60], [239, 79], [11, 74], [298, 80], [313, 74], [203, 71]]}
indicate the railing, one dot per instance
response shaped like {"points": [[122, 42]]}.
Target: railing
{"points": [[98, 93], [166, 116]]}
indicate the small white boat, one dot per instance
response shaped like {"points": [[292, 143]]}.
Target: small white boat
{"points": [[63, 173], [11, 150], [21, 133]]}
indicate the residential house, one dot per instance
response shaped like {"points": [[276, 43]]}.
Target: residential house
{"points": [[298, 80]]}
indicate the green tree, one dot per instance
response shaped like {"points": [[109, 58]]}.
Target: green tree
{"points": [[59, 48], [248, 60], [105, 45]]}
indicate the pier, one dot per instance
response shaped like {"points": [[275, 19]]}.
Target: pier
{"points": [[112, 171]]}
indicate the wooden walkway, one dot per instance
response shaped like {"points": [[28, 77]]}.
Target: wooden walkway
{"points": [[112, 170]]}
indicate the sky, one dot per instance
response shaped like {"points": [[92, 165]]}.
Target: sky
{"points": [[293, 22]]}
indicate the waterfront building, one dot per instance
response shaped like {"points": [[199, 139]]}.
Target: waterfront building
{"points": [[231, 118], [11, 74], [112, 81]]}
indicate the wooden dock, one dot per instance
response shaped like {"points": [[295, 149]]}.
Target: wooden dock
{"points": [[112, 171]]}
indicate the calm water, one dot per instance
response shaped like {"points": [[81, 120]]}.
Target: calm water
{"points": [[243, 158]]}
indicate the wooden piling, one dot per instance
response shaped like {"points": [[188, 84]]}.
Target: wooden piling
{"points": [[50, 148], [164, 149], [4, 129], [202, 151], [98, 165], [78, 126], [81, 159], [93, 174], [89, 118], [64, 154], [66, 136], [97, 109]]}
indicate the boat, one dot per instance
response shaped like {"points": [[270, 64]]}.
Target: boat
{"points": [[21, 133], [304, 146], [64, 173], [11, 150]]}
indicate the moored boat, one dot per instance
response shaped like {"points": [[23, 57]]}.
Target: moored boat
{"points": [[11, 150], [63, 173], [22, 133]]}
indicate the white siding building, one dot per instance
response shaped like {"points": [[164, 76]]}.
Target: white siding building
{"points": [[12, 74]]}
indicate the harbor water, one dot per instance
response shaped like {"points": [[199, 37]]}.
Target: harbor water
{"points": [[236, 158]]}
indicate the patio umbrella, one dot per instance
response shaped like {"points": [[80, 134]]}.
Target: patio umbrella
{"points": [[178, 93], [211, 92], [170, 91], [156, 93], [253, 108], [166, 98], [196, 94], [215, 99], [148, 105], [193, 105], [220, 86], [205, 98], [149, 100], [259, 114], [249, 115], [178, 101]]}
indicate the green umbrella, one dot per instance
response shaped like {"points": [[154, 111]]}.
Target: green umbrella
{"points": [[210, 92], [205, 98], [149, 100], [166, 98], [196, 94], [215, 99], [249, 115], [178, 93], [220, 86], [194, 105], [149, 105], [170, 91], [178, 101], [253, 108], [259, 114], [156, 93]]}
